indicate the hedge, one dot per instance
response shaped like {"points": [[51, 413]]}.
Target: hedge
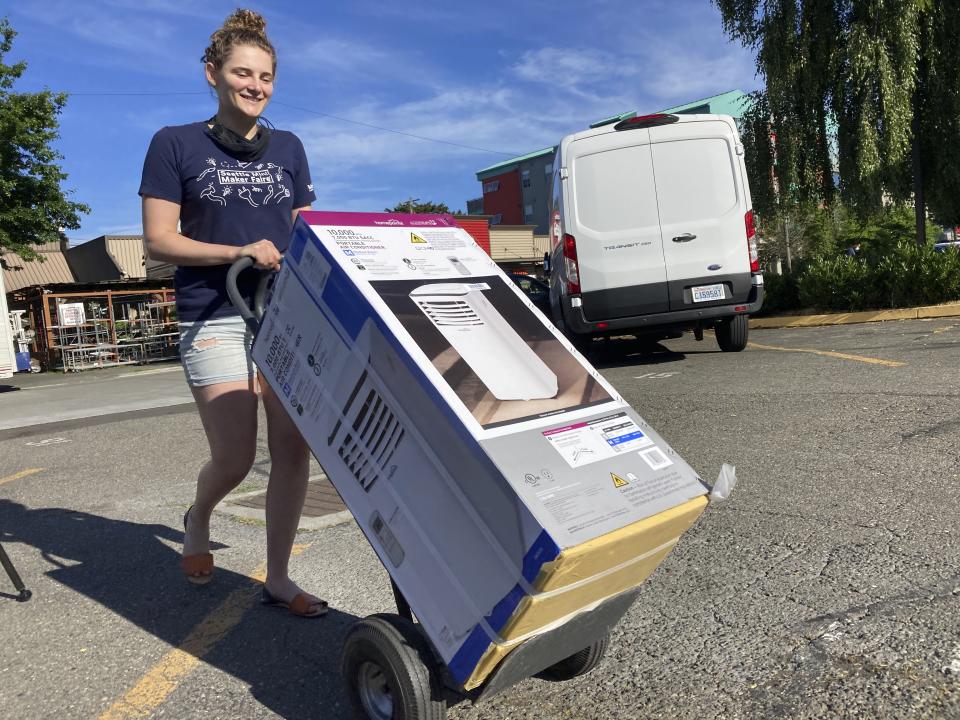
{"points": [[908, 275]]}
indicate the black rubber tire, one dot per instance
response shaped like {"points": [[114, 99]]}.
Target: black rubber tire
{"points": [[580, 663], [732, 333], [394, 645]]}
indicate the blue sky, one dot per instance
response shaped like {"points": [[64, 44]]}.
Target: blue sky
{"points": [[491, 80]]}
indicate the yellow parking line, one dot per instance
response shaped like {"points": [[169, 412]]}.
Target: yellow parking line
{"points": [[830, 353], [163, 678], [21, 474]]}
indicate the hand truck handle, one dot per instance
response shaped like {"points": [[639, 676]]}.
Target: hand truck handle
{"points": [[250, 317]]}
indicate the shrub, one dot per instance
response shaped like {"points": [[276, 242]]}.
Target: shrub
{"points": [[780, 293], [890, 271], [841, 283], [906, 276]]}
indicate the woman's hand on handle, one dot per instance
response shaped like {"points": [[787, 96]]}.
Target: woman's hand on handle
{"points": [[264, 253]]}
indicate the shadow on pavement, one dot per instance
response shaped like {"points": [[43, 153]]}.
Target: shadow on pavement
{"points": [[626, 352], [8, 388], [291, 664]]}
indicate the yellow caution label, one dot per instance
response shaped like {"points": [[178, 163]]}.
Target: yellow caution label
{"points": [[618, 481], [414, 238]]}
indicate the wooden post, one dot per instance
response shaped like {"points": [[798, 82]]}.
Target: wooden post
{"points": [[113, 325], [35, 326], [48, 331]]}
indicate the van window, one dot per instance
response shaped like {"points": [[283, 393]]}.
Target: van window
{"points": [[695, 179], [614, 189]]}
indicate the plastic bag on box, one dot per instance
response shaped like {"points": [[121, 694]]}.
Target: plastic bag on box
{"points": [[725, 483]]}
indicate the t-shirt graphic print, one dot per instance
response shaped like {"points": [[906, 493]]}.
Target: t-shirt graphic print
{"points": [[226, 201], [256, 185]]}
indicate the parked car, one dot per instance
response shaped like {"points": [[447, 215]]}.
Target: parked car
{"points": [[535, 289], [652, 231]]}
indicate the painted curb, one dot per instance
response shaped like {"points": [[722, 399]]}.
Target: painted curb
{"points": [[918, 313]]}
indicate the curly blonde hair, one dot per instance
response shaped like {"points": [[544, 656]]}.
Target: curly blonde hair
{"points": [[242, 27]]}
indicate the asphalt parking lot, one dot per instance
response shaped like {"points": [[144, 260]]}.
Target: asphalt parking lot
{"points": [[827, 586]]}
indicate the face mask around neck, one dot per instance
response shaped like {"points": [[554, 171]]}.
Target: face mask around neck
{"points": [[238, 146]]}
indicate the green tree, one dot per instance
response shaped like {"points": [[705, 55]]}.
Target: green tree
{"points": [[33, 207], [879, 233], [868, 88], [938, 110], [414, 205]]}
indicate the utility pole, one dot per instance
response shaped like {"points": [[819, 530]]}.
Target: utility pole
{"points": [[410, 202]]}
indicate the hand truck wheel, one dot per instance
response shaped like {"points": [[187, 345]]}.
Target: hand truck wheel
{"points": [[580, 663], [388, 670]]}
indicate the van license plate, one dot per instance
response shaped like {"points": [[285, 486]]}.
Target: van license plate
{"points": [[706, 293]]}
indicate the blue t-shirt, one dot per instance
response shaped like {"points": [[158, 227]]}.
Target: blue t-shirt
{"points": [[224, 201]]}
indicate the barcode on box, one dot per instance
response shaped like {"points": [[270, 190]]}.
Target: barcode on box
{"points": [[655, 458]]}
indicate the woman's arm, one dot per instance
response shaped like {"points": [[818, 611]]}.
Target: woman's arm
{"points": [[297, 211], [163, 242]]}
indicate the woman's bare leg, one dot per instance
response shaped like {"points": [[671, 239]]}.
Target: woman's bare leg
{"points": [[286, 491], [229, 415]]}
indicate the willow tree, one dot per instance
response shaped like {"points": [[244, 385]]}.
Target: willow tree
{"points": [[862, 88], [937, 119]]}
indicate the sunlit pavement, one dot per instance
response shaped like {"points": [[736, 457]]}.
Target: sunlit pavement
{"points": [[827, 586]]}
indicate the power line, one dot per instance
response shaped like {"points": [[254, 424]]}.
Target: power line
{"points": [[124, 93], [306, 110]]}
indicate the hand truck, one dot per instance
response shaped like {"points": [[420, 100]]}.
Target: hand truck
{"points": [[390, 668]]}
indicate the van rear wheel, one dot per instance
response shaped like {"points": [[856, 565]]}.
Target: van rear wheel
{"points": [[732, 333]]}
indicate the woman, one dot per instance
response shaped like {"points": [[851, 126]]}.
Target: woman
{"points": [[213, 192]]}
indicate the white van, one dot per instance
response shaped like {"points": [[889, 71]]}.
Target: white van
{"points": [[652, 231]]}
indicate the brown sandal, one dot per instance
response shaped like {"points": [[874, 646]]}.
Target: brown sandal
{"points": [[300, 605], [197, 568]]}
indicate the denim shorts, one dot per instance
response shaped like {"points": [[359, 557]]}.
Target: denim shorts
{"points": [[216, 351]]}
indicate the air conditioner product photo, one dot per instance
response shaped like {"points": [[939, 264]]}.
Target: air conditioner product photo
{"points": [[485, 341]]}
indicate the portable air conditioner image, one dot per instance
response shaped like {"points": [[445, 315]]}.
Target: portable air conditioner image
{"points": [[501, 359]]}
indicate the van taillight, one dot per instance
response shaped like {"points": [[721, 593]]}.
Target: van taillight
{"points": [[752, 242], [570, 263], [646, 121]]}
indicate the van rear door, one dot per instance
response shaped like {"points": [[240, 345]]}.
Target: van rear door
{"points": [[702, 203], [616, 225]]}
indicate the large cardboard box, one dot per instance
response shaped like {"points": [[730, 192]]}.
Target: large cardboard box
{"points": [[505, 485]]}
